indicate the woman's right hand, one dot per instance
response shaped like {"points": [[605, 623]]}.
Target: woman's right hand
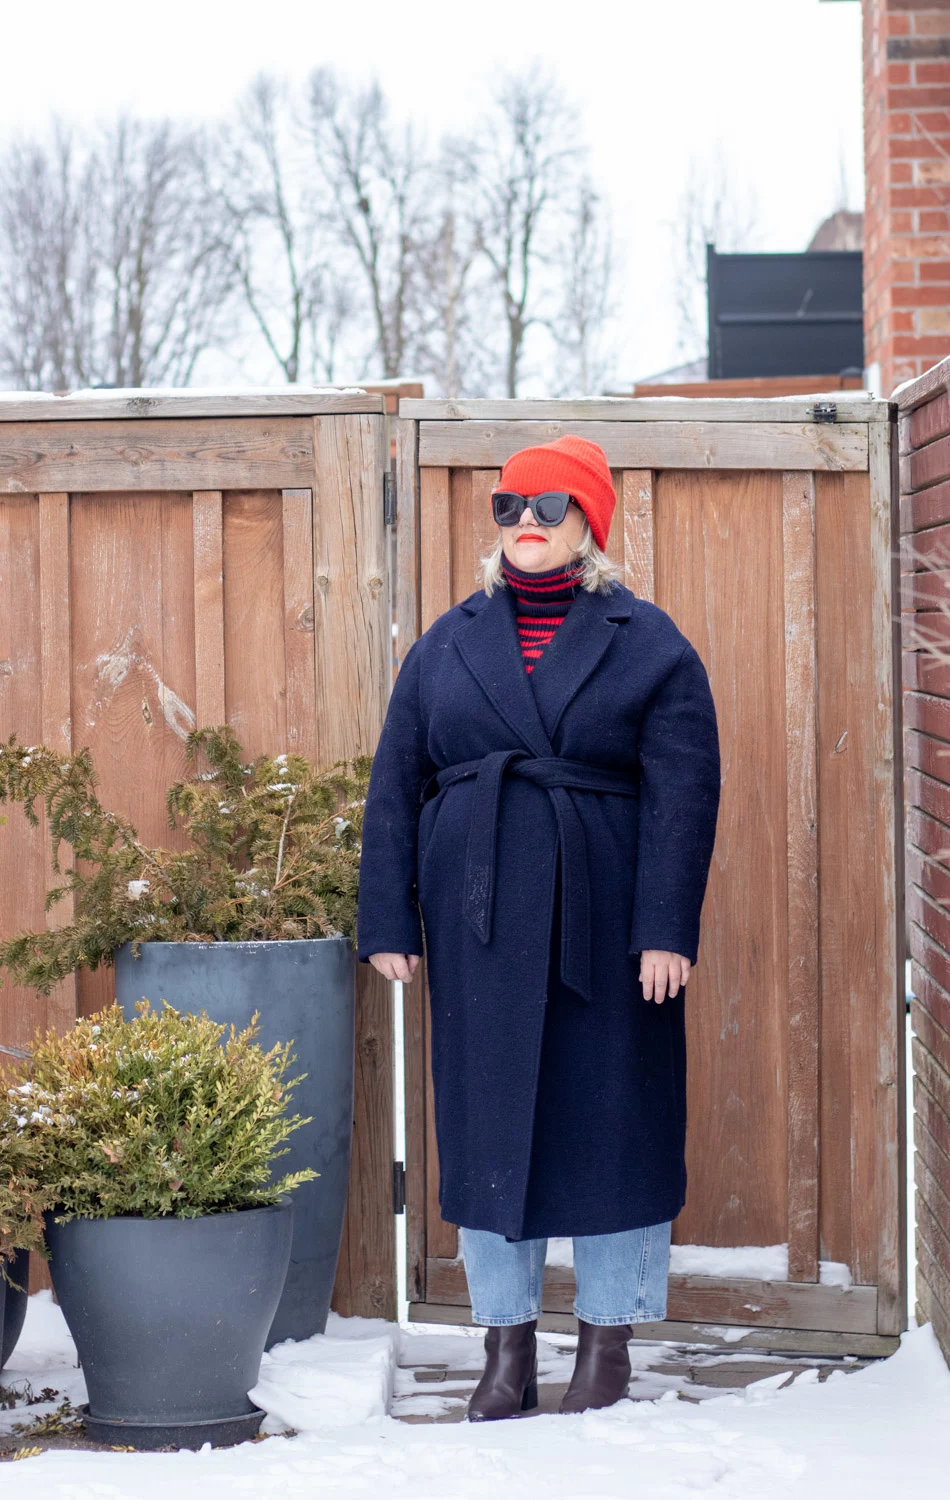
{"points": [[395, 965]]}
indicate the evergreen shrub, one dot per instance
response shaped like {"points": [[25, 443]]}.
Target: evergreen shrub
{"points": [[23, 1200], [166, 1114], [273, 848]]}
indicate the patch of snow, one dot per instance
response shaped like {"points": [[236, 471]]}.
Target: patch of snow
{"points": [[725, 1331], [761, 1262], [336, 1379], [834, 1273], [560, 1253], [143, 394], [44, 1356], [876, 1432], [755, 1262]]}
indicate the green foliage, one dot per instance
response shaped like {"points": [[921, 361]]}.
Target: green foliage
{"points": [[273, 852], [22, 1199], [169, 1114]]}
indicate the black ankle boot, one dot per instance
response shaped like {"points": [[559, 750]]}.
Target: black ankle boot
{"points": [[510, 1382], [602, 1368]]}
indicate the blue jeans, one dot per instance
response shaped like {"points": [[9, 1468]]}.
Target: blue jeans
{"points": [[621, 1278]]}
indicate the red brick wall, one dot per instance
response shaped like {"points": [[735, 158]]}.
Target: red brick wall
{"points": [[907, 173], [925, 632]]}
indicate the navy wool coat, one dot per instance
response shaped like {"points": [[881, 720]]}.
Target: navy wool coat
{"points": [[541, 831]]}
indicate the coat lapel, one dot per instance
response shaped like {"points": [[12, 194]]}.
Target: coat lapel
{"points": [[488, 644], [575, 652], [533, 706]]}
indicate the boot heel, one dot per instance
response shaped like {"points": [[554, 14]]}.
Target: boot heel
{"points": [[530, 1398]]}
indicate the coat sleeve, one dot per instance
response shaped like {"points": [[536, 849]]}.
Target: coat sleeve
{"points": [[679, 806], [387, 918]]}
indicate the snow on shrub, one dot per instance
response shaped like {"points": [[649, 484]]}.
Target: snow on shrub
{"points": [[273, 852], [167, 1114]]}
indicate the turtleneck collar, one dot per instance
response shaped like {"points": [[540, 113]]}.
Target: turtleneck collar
{"points": [[541, 604], [552, 584]]}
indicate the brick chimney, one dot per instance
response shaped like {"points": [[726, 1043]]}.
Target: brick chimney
{"points": [[907, 174]]}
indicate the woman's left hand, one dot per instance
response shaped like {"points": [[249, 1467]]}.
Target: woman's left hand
{"points": [[661, 971]]}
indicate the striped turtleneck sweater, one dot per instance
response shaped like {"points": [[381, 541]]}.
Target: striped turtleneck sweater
{"points": [[541, 603]]}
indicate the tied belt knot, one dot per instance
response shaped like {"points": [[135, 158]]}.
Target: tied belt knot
{"points": [[556, 774]]}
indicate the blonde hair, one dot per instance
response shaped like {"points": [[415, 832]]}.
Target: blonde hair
{"points": [[598, 574]]}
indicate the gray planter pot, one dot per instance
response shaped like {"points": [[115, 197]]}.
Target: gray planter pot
{"points": [[13, 1300], [169, 1317], [305, 992]]}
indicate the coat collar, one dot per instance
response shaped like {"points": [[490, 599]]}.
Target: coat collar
{"points": [[533, 706]]}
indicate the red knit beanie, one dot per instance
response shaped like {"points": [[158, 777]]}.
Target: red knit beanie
{"points": [[574, 464]]}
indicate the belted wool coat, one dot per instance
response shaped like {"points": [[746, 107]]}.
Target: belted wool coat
{"points": [[538, 833]]}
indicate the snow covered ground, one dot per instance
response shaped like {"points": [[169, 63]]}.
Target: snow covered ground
{"points": [[878, 1431], [881, 1430]]}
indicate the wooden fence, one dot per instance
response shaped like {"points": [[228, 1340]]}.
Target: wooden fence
{"points": [[925, 541], [173, 559], [768, 530]]}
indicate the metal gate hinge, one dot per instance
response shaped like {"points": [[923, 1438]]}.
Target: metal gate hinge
{"points": [[389, 498], [399, 1187], [824, 411]]}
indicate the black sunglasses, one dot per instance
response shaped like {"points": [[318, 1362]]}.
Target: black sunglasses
{"points": [[548, 509]]}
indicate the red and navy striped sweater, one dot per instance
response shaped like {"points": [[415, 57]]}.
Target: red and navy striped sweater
{"points": [[541, 601]]}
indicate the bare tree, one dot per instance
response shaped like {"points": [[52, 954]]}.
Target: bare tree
{"points": [[278, 234], [110, 273], [452, 349], [378, 176], [711, 210], [163, 272], [522, 159], [47, 268], [581, 326]]}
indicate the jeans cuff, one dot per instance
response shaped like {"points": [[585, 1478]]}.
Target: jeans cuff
{"points": [[619, 1318], [528, 1317]]}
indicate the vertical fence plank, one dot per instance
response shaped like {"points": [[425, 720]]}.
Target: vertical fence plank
{"points": [[435, 544], [637, 490], [297, 513], [484, 528], [253, 551], [61, 1007], [716, 533], [462, 546], [353, 645], [408, 597], [889, 824], [801, 686], [850, 983], [209, 607]]}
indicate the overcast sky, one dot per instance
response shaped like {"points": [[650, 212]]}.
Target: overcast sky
{"points": [[776, 84]]}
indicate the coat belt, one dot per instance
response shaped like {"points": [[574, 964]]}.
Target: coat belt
{"points": [[555, 774]]}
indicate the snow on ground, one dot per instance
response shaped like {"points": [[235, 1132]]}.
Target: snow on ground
{"points": [[877, 1432], [762, 1262]]}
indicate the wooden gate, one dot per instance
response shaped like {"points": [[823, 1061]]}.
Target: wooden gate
{"points": [[767, 529], [179, 558]]}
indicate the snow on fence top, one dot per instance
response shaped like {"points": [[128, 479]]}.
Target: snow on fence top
{"points": [[233, 401]]}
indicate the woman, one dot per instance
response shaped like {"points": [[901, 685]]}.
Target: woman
{"points": [[543, 800]]}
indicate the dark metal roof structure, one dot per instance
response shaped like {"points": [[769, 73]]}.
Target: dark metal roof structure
{"points": [[785, 314]]}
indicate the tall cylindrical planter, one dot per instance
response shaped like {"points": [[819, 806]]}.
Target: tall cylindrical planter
{"points": [[13, 1302], [169, 1317], [304, 990]]}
